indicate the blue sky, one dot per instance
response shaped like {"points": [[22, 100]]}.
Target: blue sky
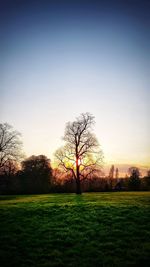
{"points": [[62, 58]]}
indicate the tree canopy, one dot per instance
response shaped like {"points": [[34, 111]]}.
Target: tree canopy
{"points": [[81, 155], [10, 145], [38, 173]]}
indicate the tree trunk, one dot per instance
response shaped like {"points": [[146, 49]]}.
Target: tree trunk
{"points": [[78, 187], [78, 184]]}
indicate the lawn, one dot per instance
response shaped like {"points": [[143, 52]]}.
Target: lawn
{"points": [[94, 229]]}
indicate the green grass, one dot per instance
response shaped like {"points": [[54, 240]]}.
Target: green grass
{"points": [[94, 229]]}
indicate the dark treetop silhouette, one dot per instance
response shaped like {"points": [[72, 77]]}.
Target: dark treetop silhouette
{"points": [[37, 172], [81, 155]]}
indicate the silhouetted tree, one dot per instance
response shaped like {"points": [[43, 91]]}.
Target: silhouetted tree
{"points": [[147, 180], [118, 182], [111, 176], [37, 174], [111, 172], [134, 180], [10, 168], [81, 154], [8, 177], [10, 145], [116, 173], [148, 173]]}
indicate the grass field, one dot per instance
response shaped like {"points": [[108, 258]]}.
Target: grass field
{"points": [[94, 229]]}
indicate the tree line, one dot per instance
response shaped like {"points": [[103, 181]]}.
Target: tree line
{"points": [[79, 164]]}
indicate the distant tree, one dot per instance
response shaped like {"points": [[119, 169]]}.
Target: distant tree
{"points": [[59, 176], [8, 177], [10, 145], [111, 172], [37, 174], [134, 179], [118, 185], [148, 173], [111, 176], [81, 154], [147, 180], [116, 173], [10, 168]]}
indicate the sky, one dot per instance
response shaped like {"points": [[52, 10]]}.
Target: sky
{"points": [[62, 58]]}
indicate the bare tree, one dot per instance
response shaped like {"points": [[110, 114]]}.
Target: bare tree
{"points": [[10, 145], [116, 173], [81, 155], [134, 180], [10, 168], [111, 172], [111, 176], [148, 173]]}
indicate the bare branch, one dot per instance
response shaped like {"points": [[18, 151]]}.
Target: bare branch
{"points": [[10, 144], [81, 154]]}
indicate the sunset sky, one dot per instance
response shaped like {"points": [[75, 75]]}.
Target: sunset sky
{"points": [[61, 58]]}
